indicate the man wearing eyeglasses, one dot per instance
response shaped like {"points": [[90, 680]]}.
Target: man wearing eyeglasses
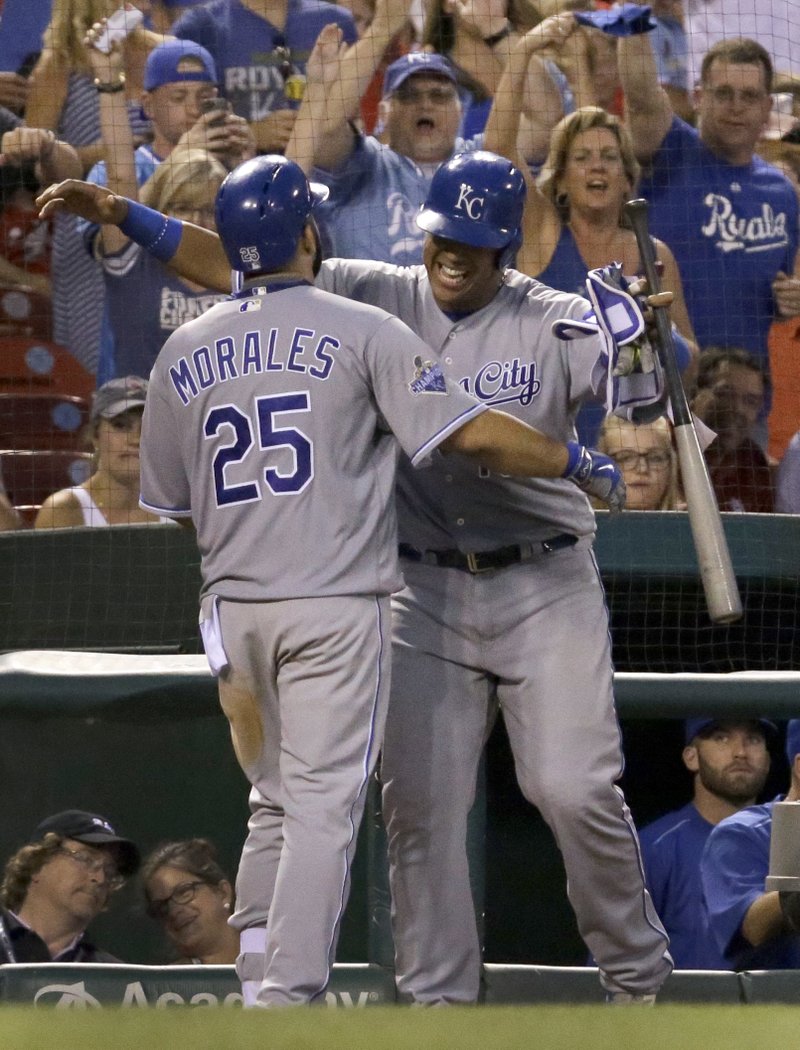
{"points": [[377, 186], [730, 398], [730, 218], [54, 887]]}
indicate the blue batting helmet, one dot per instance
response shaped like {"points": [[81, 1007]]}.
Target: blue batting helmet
{"points": [[477, 198], [262, 208]]}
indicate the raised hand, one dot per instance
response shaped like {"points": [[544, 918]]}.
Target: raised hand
{"points": [[91, 202]]}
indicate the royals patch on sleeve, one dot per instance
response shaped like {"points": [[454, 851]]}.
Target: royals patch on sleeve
{"points": [[428, 378]]}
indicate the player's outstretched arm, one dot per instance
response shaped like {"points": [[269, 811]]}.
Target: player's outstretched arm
{"points": [[509, 446], [191, 251]]}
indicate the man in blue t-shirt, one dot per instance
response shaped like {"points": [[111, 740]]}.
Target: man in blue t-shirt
{"points": [[377, 186], [730, 218], [729, 762], [754, 928], [260, 48]]}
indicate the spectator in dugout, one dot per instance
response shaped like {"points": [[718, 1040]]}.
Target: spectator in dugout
{"points": [[111, 495], [178, 173], [754, 928], [376, 187], [729, 399], [57, 884], [189, 894]]}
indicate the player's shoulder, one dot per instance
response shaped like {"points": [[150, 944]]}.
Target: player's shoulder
{"points": [[747, 821], [534, 296], [351, 276]]}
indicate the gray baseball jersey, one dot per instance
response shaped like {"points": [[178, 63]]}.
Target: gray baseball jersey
{"points": [[283, 439], [506, 356], [531, 637]]}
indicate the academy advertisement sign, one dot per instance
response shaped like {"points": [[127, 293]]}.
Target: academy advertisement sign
{"points": [[92, 986]]}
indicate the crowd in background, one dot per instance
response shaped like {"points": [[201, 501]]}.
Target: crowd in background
{"points": [[595, 103]]}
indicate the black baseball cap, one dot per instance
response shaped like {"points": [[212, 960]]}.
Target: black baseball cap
{"points": [[703, 726], [94, 830]]}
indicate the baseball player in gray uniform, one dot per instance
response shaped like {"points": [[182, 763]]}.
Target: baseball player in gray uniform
{"points": [[503, 604], [273, 424]]}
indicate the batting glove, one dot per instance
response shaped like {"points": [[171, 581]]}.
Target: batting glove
{"points": [[596, 474]]}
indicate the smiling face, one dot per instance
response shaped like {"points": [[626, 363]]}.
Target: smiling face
{"points": [[733, 106], [422, 117], [198, 925], [463, 279], [594, 177]]}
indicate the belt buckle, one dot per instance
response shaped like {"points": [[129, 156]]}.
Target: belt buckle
{"points": [[473, 566]]}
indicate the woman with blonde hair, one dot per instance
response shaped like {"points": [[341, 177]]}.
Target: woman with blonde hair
{"points": [[145, 300], [646, 455], [573, 220]]}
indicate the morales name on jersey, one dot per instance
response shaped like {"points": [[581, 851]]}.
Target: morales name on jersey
{"points": [[255, 352]]}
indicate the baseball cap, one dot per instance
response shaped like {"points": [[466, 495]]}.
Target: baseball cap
{"points": [[164, 62], [118, 396], [792, 739], [416, 62], [92, 829], [700, 726]]}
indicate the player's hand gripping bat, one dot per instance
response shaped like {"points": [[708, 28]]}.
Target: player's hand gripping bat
{"points": [[716, 571]]}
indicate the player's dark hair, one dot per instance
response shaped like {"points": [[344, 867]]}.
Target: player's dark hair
{"points": [[197, 857], [739, 51], [23, 865], [711, 358]]}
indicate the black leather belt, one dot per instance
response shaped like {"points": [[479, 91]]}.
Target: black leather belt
{"points": [[485, 561]]}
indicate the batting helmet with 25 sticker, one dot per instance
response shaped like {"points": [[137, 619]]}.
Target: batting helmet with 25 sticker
{"points": [[261, 210], [477, 198]]}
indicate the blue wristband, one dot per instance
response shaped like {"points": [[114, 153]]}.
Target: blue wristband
{"points": [[157, 233], [575, 453]]}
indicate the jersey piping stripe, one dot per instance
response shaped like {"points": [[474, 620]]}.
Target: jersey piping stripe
{"points": [[169, 512], [456, 424], [362, 786]]}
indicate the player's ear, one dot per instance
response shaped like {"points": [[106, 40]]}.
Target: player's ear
{"points": [[690, 759]]}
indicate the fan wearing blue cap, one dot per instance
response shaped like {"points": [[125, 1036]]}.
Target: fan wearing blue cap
{"points": [[729, 762], [753, 928], [377, 186]]}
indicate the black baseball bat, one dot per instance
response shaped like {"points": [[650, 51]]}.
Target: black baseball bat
{"points": [[716, 570]]}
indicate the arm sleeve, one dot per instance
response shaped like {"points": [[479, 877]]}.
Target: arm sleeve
{"points": [[165, 485], [733, 869]]}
